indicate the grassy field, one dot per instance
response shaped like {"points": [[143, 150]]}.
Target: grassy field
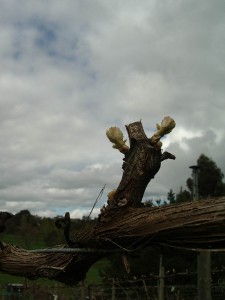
{"points": [[93, 275]]}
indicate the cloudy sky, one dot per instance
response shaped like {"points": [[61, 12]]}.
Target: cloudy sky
{"points": [[71, 69]]}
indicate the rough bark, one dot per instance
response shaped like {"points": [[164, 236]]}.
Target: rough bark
{"points": [[125, 224], [198, 225]]}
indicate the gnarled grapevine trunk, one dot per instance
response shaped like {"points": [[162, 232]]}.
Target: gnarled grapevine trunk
{"points": [[124, 223], [199, 225]]}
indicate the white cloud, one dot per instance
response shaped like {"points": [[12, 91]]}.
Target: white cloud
{"points": [[79, 213], [182, 137]]}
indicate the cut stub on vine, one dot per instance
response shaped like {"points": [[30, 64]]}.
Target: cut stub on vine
{"points": [[140, 164]]}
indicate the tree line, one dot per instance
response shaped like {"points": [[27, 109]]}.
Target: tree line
{"points": [[32, 231], [210, 182]]}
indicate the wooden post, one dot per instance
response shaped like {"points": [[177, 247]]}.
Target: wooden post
{"points": [[113, 290], [204, 257], [204, 275], [161, 278], [145, 289], [82, 291]]}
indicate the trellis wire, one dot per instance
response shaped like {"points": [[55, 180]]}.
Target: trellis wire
{"points": [[76, 250]]}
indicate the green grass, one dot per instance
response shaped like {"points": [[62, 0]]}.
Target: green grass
{"points": [[93, 275], [11, 239], [17, 240]]}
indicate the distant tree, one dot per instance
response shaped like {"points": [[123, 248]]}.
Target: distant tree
{"points": [[157, 202], [183, 196], [160, 202], [171, 197], [210, 178], [148, 203]]}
